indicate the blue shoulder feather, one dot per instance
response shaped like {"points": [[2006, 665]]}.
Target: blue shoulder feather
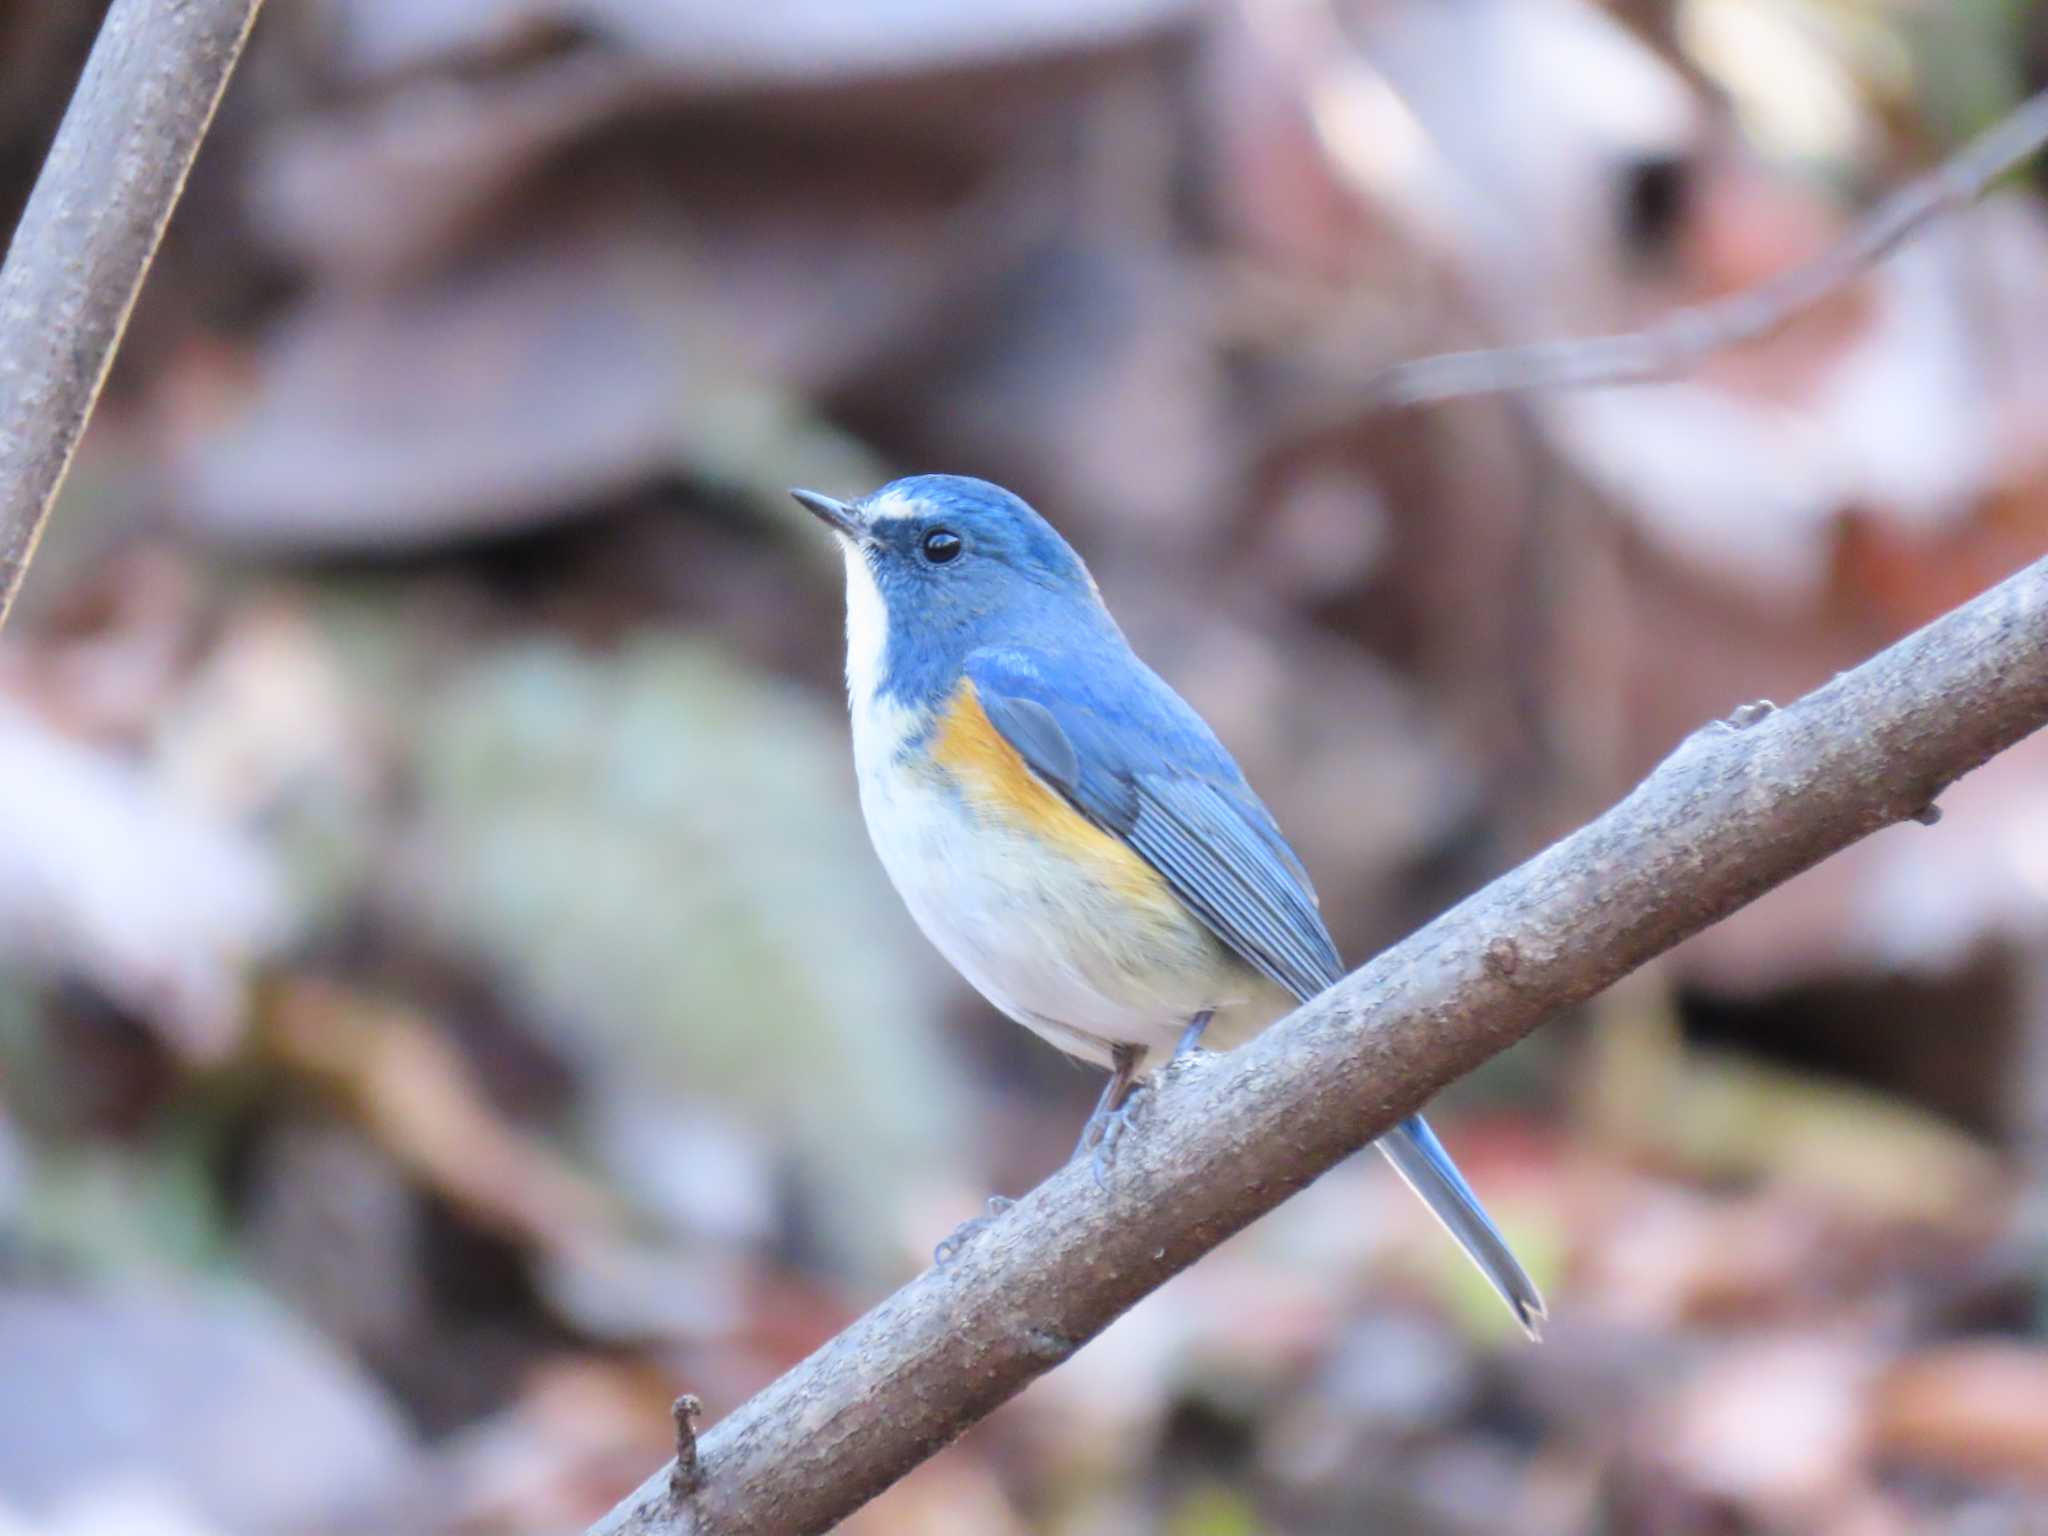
{"points": [[1128, 753]]}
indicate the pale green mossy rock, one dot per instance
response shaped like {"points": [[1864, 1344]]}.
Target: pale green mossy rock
{"points": [[661, 853]]}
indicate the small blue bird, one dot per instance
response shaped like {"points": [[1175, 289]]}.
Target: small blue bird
{"points": [[1063, 827]]}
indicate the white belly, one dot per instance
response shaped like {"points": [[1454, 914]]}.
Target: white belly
{"points": [[1031, 930]]}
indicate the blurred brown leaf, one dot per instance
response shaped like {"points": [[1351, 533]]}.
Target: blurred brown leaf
{"points": [[414, 1094], [1734, 1115], [1968, 1409], [582, 1430]]}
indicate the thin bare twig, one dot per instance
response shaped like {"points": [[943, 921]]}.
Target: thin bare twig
{"points": [[1683, 339], [88, 234], [1740, 807]]}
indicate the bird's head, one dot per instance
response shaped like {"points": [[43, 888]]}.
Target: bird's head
{"points": [[940, 564]]}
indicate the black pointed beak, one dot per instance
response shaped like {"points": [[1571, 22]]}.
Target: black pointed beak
{"points": [[833, 513]]}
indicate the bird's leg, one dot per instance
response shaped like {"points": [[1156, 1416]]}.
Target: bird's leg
{"points": [[1123, 1076], [1112, 1115], [1114, 1111], [1105, 1124], [965, 1233], [1191, 1037]]}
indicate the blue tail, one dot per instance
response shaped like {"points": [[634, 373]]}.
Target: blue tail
{"points": [[1421, 1160]]}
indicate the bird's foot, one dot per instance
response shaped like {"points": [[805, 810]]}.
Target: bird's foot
{"points": [[1112, 1111], [949, 1250], [1109, 1134]]}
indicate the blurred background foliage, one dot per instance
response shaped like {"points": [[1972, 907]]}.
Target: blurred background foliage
{"points": [[447, 1006]]}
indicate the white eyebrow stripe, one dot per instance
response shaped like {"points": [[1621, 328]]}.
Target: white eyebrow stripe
{"points": [[894, 507]]}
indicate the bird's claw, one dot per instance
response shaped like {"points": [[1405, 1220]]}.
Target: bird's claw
{"points": [[1111, 1132], [949, 1250]]}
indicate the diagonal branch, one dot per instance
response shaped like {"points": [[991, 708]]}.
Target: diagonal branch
{"points": [[1738, 808], [1684, 338], [88, 234]]}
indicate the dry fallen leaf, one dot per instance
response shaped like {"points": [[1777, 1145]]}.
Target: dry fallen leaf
{"points": [[582, 1431], [1732, 1115], [1775, 1426], [951, 1493], [416, 1096], [1973, 1409]]}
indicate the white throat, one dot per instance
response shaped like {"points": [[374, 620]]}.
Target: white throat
{"points": [[867, 629]]}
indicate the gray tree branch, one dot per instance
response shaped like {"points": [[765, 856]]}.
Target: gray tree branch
{"points": [[1683, 339], [1741, 806], [88, 234]]}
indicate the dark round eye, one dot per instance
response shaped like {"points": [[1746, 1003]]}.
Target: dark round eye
{"points": [[941, 545]]}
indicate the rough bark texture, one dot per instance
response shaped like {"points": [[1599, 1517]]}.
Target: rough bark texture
{"points": [[88, 234], [1738, 808]]}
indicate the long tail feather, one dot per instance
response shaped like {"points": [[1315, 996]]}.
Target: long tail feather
{"points": [[1421, 1160]]}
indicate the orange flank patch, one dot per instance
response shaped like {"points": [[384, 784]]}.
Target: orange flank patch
{"points": [[999, 784]]}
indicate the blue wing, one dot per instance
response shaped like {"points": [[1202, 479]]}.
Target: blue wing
{"points": [[1130, 755], [1142, 765]]}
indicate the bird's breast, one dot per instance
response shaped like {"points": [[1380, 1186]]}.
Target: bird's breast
{"points": [[1001, 792], [1053, 919]]}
